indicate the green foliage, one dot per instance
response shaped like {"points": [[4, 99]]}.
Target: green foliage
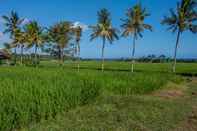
{"points": [[90, 91], [30, 95], [134, 23], [183, 18], [34, 34], [103, 28]]}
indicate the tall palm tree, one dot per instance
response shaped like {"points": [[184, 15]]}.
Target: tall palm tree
{"points": [[134, 25], [35, 37], [20, 39], [12, 24], [78, 34], [180, 20], [61, 34], [104, 30]]}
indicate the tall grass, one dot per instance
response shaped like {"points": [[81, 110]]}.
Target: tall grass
{"points": [[28, 95]]}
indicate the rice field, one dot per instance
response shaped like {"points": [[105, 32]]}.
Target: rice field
{"points": [[30, 95]]}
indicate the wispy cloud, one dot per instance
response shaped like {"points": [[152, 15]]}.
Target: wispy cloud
{"points": [[25, 21], [1, 34], [82, 25], [1, 20]]}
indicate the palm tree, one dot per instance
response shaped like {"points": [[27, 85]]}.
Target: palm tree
{"points": [[12, 24], [134, 26], [104, 30], [61, 34], [20, 39], [35, 37], [180, 20], [78, 34]]}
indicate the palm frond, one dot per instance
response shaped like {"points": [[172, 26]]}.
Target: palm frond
{"points": [[193, 28], [148, 27], [183, 18]]}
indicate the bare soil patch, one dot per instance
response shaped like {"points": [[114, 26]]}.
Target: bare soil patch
{"points": [[172, 91], [170, 94]]}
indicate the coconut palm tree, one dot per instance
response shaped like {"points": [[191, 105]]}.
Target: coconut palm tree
{"points": [[180, 20], [78, 34], [134, 25], [61, 34], [104, 30], [35, 37], [12, 24], [20, 40]]}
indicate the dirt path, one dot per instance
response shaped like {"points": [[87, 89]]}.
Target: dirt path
{"points": [[188, 92], [190, 123]]}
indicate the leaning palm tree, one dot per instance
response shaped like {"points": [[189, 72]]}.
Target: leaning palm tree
{"points": [[134, 26], [60, 34], [35, 37], [78, 34], [12, 24], [182, 19], [104, 30]]}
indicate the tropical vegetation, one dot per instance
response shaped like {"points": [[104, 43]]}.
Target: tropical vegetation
{"points": [[134, 25], [104, 30], [57, 96], [180, 20]]}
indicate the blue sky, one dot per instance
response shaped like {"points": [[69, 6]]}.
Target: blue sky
{"points": [[48, 12]]}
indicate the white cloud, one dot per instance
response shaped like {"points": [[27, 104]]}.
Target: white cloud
{"points": [[25, 21], [82, 25]]}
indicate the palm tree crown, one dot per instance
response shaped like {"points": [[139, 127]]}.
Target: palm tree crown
{"points": [[104, 27], [183, 18], [34, 34], [134, 23], [61, 34], [12, 23]]}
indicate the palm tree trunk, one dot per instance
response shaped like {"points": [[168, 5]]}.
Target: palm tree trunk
{"points": [[62, 57], [15, 55], [175, 52], [22, 46], [133, 54], [103, 49], [35, 55], [78, 55], [59, 55]]}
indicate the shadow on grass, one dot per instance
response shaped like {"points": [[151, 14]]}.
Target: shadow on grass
{"points": [[115, 70], [188, 74]]}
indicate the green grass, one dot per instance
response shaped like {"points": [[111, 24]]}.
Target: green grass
{"points": [[120, 113], [30, 95], [114, 113], [126, 66]]}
